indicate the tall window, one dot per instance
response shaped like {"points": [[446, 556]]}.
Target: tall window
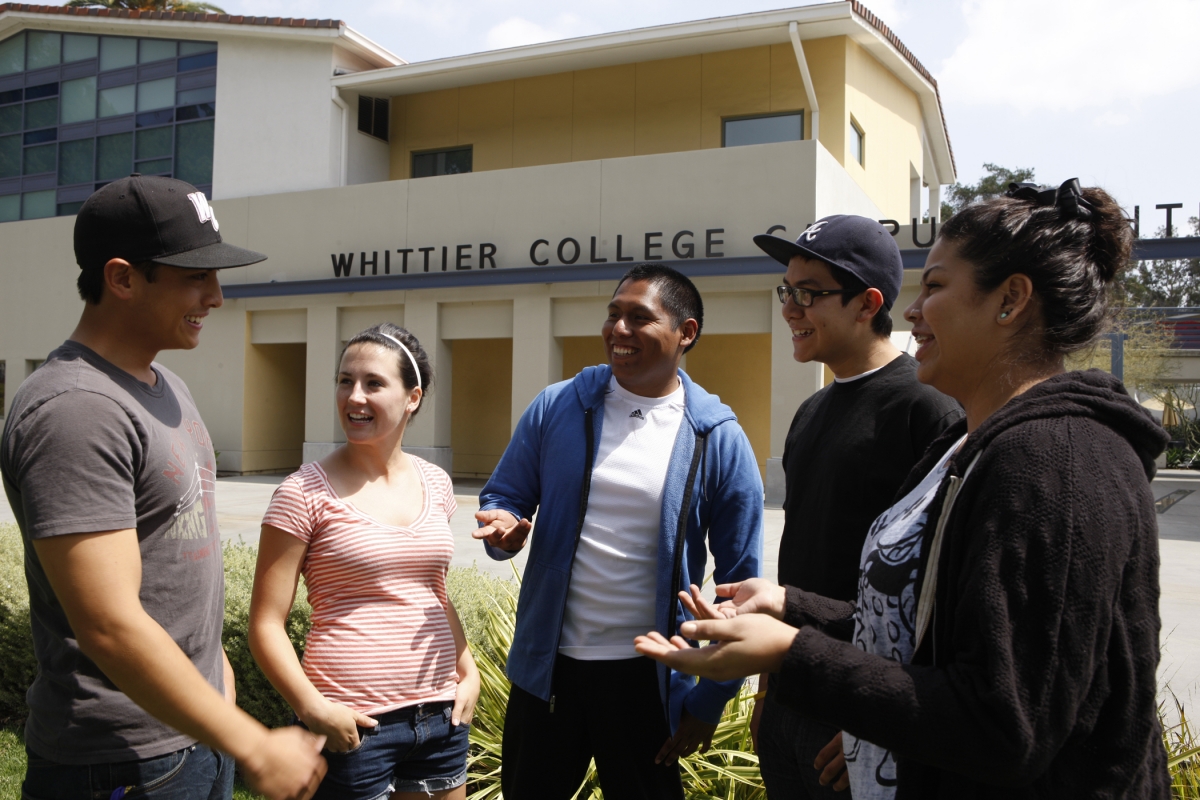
{"points": [[441, 162], [763, 129], [858, 143], [373, 116], [78, 111]]}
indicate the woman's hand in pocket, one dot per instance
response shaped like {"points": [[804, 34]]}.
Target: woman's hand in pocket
{"points": [[466, 695], [339, 725]]}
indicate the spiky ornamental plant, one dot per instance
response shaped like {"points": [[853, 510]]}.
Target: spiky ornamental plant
{"points": [[149, 5]]}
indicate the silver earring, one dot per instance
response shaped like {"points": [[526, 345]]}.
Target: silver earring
{"points": [[1003, 315]]}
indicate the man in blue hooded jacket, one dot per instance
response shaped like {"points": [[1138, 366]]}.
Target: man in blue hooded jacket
{"points": [[629, 467]]}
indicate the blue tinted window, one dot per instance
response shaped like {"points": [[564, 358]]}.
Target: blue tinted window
{"points": [[201, 61], [165, 131], [764, 130]]}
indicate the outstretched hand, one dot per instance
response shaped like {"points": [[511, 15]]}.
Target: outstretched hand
{"points": [[753, 596], [502, 530], [741, 646]]}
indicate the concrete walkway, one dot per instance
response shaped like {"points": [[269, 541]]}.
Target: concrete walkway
{"points": [[241, 502]]}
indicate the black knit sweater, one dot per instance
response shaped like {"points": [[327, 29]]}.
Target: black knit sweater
{"points": [[1037, 676]]}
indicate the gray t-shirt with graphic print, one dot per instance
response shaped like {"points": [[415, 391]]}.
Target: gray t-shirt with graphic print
{"points": [[87, 448], [886, 615]]}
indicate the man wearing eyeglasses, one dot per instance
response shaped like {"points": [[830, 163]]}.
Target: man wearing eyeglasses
{"points": [[849, 448]]}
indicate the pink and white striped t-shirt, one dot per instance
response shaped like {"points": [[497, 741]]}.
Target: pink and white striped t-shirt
{"points": [[380, 639]]}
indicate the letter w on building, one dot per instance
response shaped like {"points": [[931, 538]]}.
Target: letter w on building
{"points": [[342, 263]]}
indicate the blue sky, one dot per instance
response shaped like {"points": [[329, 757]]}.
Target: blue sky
{"points": [[1106, 90]]}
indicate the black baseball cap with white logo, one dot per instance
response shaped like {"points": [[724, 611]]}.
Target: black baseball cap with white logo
{"points": [[861, 246], [150, 218]]}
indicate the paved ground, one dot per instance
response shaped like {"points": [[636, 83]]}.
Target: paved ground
{"points": [[242, 501]]}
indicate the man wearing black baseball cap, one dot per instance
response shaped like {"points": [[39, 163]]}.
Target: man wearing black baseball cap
{"points": [[849, 449], [110, 473]]}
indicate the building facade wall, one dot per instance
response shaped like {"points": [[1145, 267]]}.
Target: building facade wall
{"points": [[644, 108]]}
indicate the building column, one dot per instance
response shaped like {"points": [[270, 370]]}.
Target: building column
{"points": [[537, 354], [791, 384], [321, 430], [428, 434]]}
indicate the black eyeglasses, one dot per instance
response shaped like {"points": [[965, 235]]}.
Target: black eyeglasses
{"points": [[804, 297]]}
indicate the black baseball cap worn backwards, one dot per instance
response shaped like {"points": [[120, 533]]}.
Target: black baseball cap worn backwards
{"points": [[861, 246], [150, 218]]}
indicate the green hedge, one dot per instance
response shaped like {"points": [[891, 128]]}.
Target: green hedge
{"points": [[469, 589]]}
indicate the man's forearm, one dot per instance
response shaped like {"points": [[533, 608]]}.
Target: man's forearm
{"points": [[147, 665]]}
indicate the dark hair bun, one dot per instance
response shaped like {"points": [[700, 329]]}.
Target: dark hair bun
{"points": [[1072, 252]]}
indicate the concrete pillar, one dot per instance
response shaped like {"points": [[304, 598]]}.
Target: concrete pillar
{"points": [[537, 354], [791, 384], [322, 433], [428, 435], [935, 202]]}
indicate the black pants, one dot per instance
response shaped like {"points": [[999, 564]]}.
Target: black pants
{"points": [[787, 747], [607, 710]]}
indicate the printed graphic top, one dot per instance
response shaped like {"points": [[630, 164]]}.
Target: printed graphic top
{"points": [[380, 639], [89, 448], [885, 619]]}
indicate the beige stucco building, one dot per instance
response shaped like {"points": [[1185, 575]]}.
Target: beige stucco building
{"points": [[487, 202]]}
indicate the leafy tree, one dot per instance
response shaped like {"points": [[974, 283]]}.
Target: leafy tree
{"points": [[149, 5], [960, 195], [1172, 283]]}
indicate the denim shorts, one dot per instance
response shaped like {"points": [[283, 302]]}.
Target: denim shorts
{"points": [[194, 773], [412, 749]]}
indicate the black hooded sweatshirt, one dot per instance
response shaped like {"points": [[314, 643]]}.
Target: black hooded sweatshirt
{"points": [[1037, 678]]}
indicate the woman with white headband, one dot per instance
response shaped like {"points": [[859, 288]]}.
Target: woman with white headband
{"points": [[387, 676]]}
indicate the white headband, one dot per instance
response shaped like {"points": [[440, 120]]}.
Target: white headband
{"points": [[400, 344]]}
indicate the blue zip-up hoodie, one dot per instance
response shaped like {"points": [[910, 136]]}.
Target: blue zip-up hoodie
{"points": [[547, 469]]}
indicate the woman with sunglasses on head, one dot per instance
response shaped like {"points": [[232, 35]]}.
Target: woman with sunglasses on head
{"points": [[1019, 569], [387, 676]]}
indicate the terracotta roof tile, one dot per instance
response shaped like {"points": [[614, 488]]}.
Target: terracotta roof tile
{"points": [[177, 16]]}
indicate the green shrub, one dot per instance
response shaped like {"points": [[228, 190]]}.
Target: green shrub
{"points": [[255, 693], [17, 662]]}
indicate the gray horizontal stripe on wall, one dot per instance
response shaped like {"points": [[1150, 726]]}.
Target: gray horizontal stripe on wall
{"points": [[1143, 250]]}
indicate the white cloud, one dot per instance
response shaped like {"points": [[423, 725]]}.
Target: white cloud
{"points": [[1111, 119], [518, 31], [892, 12], [1066, 55]]}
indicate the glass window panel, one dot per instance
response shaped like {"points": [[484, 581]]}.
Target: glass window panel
{"points": [[10, 119], [75, 161], [69, 209], [118, 100], [424, 165], [194, 152], [764, 130], [856, 143], [197, 62], [154, 167], [45, 90], [154, 143], [114, 156], [38, 205], [203, 95], [458, 161], [207, 94], [197, 112], [79, 100], [155, 50], [11, 96], [116, 53], [43, 49], [156, 94], [44, 135], [192, 48], [10, 156], [10, 208], [12, 55], [154, 118], [41, 114], [79, 48], [40, 159]]}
